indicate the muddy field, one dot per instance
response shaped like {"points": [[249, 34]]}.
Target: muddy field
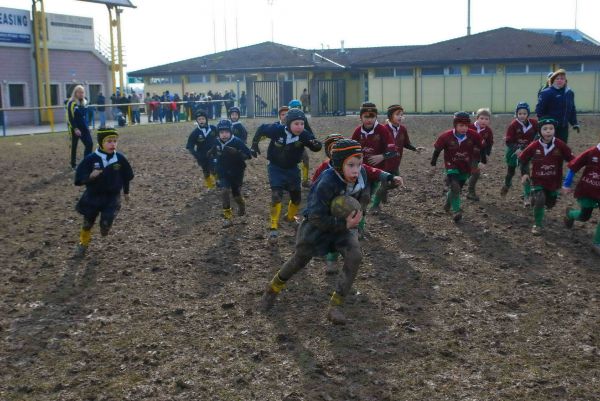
{"points": [[166, 307]]}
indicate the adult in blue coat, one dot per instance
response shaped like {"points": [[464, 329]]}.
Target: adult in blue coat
{"points": [[557, 101]]}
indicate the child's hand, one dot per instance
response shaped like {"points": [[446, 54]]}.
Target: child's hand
{"points": [[524, 178], [375, 159], [398, 181], [420, 149], [77, 132], [94, 174], [566, 191], [230, 150], [353, 219]]}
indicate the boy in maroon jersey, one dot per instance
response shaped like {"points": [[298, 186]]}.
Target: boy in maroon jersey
{"points": [[482, 127], [546, 155], [377, 145], [519, 134], [458, 145], [587, 191], [395, 115]]}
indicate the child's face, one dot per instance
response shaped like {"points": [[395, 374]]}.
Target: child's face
{"points": [[282, 116], [109, 145], [483, 121], [461, 128], [547, 132], [201, 121], [522, 115], [234, 116], [560, 81], [368, 121], [397, 117], [79, 94], [296, 127], [351, 168], [224, 135]]}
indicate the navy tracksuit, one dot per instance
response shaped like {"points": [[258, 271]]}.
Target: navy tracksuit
{"points": [[76, 119], [199, 143], [102, 195]]}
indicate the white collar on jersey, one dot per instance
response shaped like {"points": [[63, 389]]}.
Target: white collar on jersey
{"points": [[547, 146], [105, 160], [365, 133], [290, 138]]}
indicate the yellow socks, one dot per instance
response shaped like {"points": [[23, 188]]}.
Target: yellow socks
{"points": [[210, 181], [336, 299], [275, 213], [292, 211], [304, 169], [277, 284], [228, 214], [85, 236]]}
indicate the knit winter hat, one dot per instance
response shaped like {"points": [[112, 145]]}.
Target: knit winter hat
{"points": [[104, 133], [392, 109], [342, 150], [368, 108], [556, 74], [462, 117], [293, 115], [295, 104], [329, 141]]}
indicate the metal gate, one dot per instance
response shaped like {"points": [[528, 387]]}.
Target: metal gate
{"points": [[266, 98], [331, 97]]}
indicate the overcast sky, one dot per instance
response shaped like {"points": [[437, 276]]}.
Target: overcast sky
{"points": [[162, 31]]}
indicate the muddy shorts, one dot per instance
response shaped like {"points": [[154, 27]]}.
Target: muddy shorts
{"points": [[287, 179]]}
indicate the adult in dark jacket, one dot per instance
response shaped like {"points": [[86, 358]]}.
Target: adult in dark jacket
{"points": [[78, 127], [558, 102]]}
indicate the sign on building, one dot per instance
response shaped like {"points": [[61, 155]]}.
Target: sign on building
{"points": [[15, 27], [70, 32]]}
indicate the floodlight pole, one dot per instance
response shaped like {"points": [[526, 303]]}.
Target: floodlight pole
{"points": [[120, 50], [113, 68], [468, 17], [42, 59]]}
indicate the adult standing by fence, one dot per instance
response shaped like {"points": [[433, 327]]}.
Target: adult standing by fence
{"points": [[135, 108], [305, 100], [76, 120], [243, 101], [558, 102]]}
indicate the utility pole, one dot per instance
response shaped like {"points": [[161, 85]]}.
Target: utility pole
{"points": [[468, 17]]}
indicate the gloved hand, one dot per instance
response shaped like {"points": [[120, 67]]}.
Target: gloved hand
{"points": [[228, 150], [576, 128]]}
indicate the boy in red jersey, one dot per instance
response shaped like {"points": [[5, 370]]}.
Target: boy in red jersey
{"points": [[458, 145], [377, 145], [395, 115], [519, 134], [546, 155], [482, 127], [587, 191]]}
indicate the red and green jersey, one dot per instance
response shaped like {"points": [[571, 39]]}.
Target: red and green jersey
{"points": [[519, 135], [458, 153], [377, 141], [547, 162], [401, 139], [589, 183], [487, 136]]}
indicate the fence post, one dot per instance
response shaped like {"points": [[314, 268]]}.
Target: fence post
{"points": [[3, 124]]}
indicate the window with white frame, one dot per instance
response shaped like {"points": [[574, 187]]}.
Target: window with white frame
{"points": [[198, 78], [516, 68], [538, 67], [591, 66], [482, 69], [438, 70], [572, 67], [159, 80], [452, 70], [384, 72], [16, 95]]}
